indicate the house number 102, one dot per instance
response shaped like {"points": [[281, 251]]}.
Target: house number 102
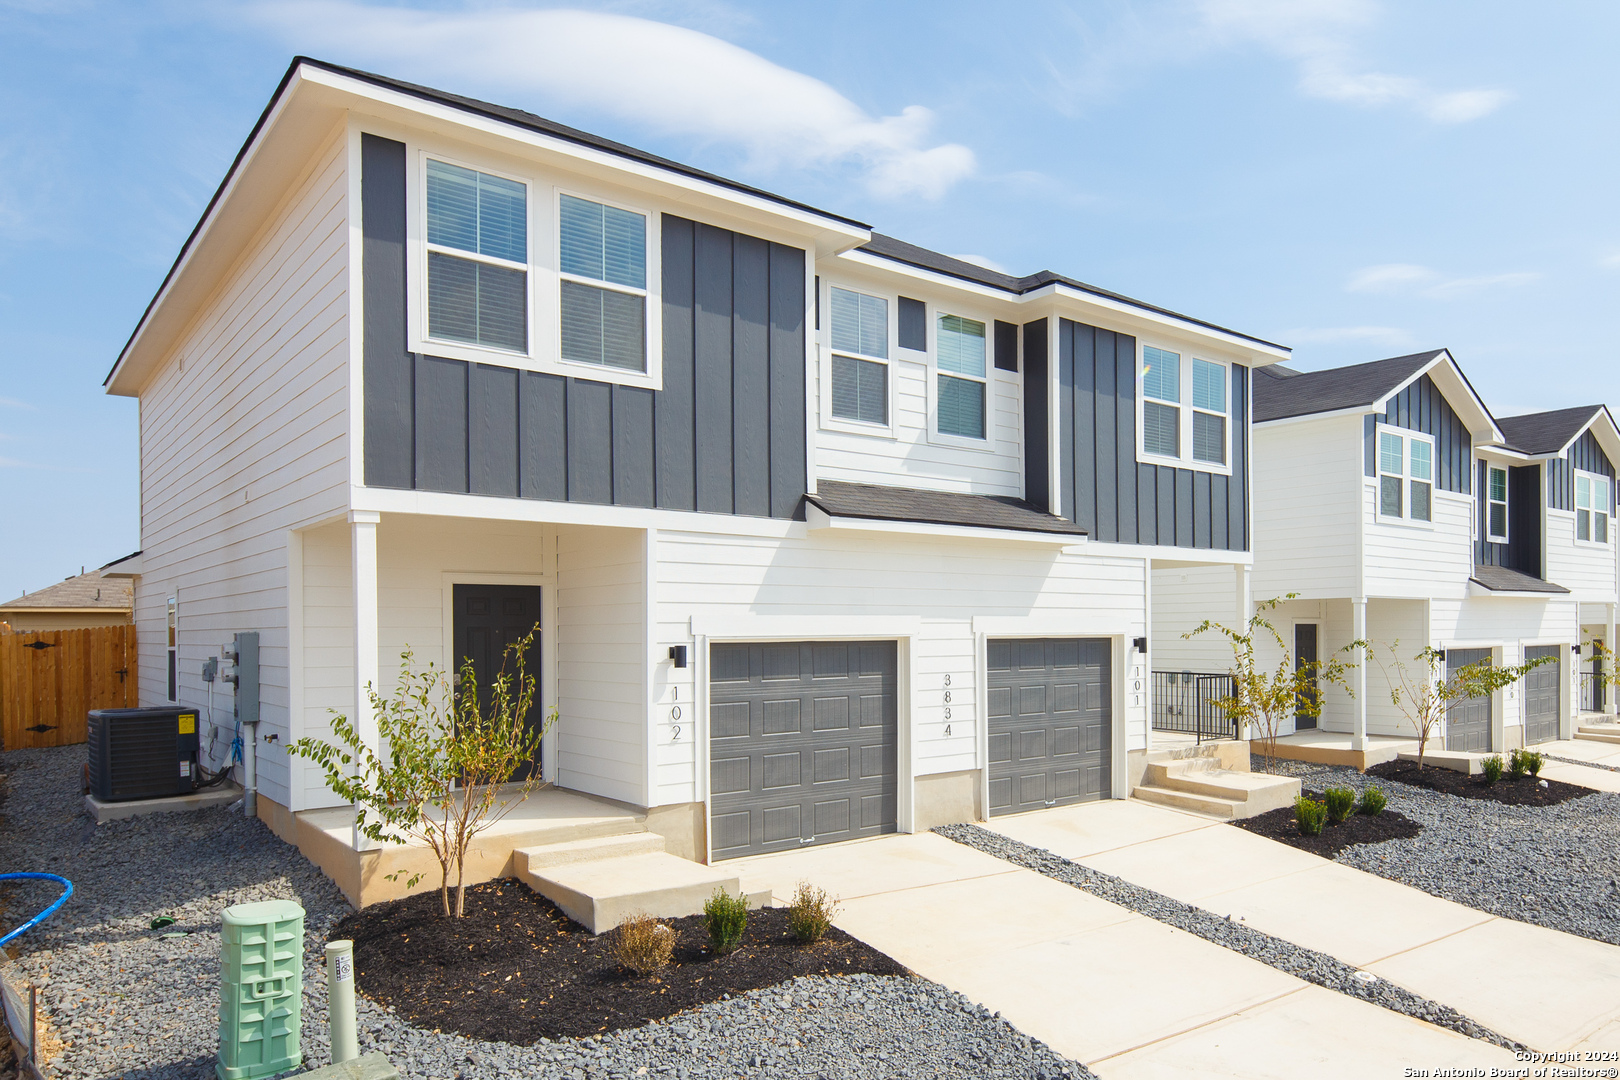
{"points": [[675, 715]]}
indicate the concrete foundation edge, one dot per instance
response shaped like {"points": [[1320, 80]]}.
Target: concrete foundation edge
{"points": [[946, 799]]}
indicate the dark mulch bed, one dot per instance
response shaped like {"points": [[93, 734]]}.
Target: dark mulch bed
{"points": [[1280, 825], [515, 969], [1524, 791]]}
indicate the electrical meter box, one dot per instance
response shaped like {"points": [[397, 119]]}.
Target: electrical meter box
{"points": [[260, 989], [142, 753]]}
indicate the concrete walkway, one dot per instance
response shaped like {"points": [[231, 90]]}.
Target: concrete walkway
{"points": [[1599, 753], [1547, 989], [1129, 996]]}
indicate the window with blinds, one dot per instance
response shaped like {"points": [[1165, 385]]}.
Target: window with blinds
{"points": [[962, 382], [1209, 412], [602, 262], [477, 258], [1592, 507], [1161, 399], [860, 361]]}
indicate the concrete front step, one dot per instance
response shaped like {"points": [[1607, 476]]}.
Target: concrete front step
{"points": [[1603, 733], [1225, 793], [1225, 809], [577, 851], [599, 893], [1456, 760]]}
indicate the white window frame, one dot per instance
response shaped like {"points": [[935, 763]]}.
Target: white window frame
{"points": [[171, 673], [829, 422], [545, 279], [1409, 437], [1607, 512], [1185, 407], [940, 438], [1507, 503]]}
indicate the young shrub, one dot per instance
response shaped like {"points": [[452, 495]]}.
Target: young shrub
{"points": [[1309, 815], [1533, 761], [643, 943], [1516, 766], [1492, 768], [1340, 801], [1373, 801], [811, 913], [726, 916]]}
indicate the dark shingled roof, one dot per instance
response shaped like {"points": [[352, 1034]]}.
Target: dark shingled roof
{"points": [[1280, 395], [1546, 432], [1501, 579], [875, 502], [899, 251]]}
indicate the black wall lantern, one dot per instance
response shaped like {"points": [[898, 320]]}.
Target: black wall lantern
{"points": [[677, 655], [1577, 649], [1140, 645]]}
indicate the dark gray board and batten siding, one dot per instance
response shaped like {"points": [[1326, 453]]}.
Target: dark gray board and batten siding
{"points": [[725, 435], [1585, 455], [1422, 407], [1103, 488]]}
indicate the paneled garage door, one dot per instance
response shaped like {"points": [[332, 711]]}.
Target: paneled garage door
{"points": [[1541, 694], [1468, 723], [1051, 720], [803, 745]]}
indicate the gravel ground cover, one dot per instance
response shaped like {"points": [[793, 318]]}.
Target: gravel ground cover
{"points": [[1307, 964], [1511, 790], [1555, 866], [141, 1004]]}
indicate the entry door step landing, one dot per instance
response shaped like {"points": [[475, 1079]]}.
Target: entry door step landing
{"points": [[1598, 732], [1199, 784]]}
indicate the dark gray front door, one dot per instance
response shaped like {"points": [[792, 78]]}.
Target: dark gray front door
{"points": [[1468, 723], [1051, 721], [1305, 652], [1541, 694], [803, 744], [488, 618]]}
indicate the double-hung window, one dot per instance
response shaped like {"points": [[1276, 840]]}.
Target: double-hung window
{"points": [[477, 258], [1405, 476], [1496, 504], [1161, 399], [1209, 412], [603, 267], [860, 360], [963, 381], [1592, 508]]}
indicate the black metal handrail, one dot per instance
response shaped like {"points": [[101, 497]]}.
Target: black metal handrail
{"points": [[1184, 701]]}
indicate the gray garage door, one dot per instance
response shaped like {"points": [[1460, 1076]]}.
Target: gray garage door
{"points": [[803, 745], [1051, 710], [1541, 694], [1468, 723]]}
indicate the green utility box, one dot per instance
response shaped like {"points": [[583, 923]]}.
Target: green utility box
{"points": [[260, 989]]}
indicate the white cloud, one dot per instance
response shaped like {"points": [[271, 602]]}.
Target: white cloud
{"points": [[1413, 280], [1610, 261], [13, 403], [1391, 336], [664, 78], [980, 260], [1317, 36]]}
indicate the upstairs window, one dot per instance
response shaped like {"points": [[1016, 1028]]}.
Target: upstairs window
{"points": [[1405, 476], [1592, 508], [962, 385], [860, 362], [1209, 412], [1161, 396], [477, 262], [1496, 505], [603, 265]]}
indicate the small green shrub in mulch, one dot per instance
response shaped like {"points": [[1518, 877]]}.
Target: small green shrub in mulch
{"points": [[1491, 768], [1340, 801], [1310, 816], [811, 913], [1373, 801], [726, 916]]}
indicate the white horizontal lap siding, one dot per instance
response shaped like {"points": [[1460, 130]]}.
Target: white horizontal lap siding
{"points": [[1390, 622], [909, 459], [248, 441], [1586, 570], [601, 663], [328, 652], [1306, 484], [944, 584], [1410, 560], [1182, 599]]}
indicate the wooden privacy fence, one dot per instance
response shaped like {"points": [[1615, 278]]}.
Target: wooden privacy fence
{"points": [[49, 680]]}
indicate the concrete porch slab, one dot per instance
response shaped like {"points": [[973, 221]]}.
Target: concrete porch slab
{"points": [[104, 811], [1076, 832], [1333, 748], [857, 868], [601, 893]]}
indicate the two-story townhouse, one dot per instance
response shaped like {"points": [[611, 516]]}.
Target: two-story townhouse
{"points": [[825, 535], [1398, 510]]}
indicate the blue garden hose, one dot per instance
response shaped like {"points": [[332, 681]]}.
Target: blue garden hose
{"points": [[67, 891]]}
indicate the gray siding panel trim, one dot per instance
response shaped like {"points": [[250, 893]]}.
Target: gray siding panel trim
{"points": [[388, 390], [725, 434], [1037, 469], [1006, 346], [913, 324], [1588, 456], [1105, 490]]}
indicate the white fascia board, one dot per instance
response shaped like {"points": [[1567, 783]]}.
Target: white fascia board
{"points": [[1476, 590], [1453, 374], [503, 508], [819, 520], [1163, 557], [835, 234], [123, 568], [890, 266]]}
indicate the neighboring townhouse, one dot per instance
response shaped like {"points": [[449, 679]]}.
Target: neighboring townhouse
{"points": [[827, 535], [1396, 508]]}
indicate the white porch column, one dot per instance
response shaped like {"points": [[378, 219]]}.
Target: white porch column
{"points": [[1358, 735], [363, 549], [1608, 642]]}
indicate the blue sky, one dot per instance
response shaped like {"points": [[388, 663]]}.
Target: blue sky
{"points": [[1354, 179]]}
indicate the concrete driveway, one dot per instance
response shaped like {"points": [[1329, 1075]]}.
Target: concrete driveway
{"points": [[1547, 989], [1126, 995]]}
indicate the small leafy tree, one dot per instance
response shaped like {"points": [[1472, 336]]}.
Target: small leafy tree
{"points": [[1424, 690], [439, 778], [1605, 671], [1263, 697]]}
